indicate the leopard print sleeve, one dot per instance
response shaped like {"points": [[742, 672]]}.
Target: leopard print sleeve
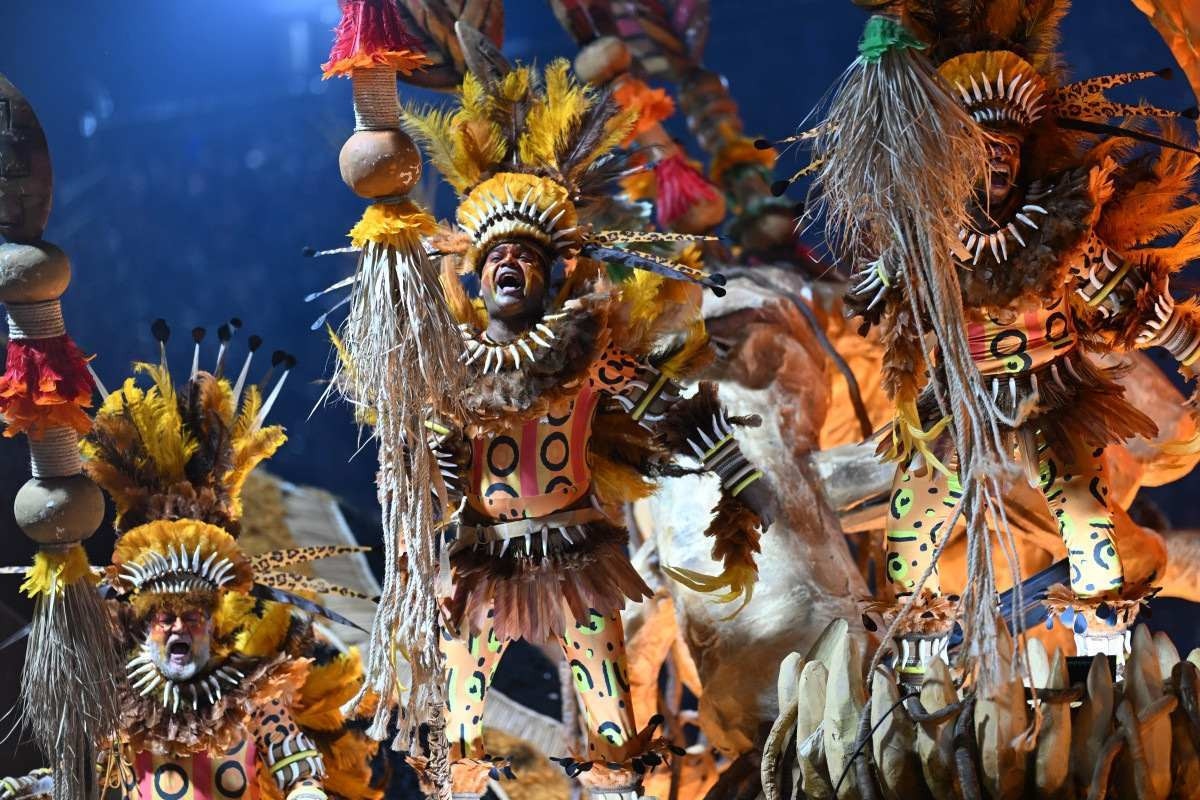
{"points": [[288, 753]]}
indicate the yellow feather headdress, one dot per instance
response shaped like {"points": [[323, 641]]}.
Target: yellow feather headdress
{"points": [[174, 461], [528, 154], [163, 453]]}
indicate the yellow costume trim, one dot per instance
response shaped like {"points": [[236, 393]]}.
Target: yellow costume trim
{"points": [[293, 758], [54, 570], [908, 437], [720, 443], [652, 393], [749, 479], [396, 225], [1113, 281]]}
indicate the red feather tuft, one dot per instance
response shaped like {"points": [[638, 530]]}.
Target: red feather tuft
{"points": [[679, 187], [45, 384], [372, 33]]}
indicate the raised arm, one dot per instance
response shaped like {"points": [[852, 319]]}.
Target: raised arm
{"points": [[698, 427]]}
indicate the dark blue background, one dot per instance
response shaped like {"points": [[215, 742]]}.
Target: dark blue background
{"points": [[195, 149]]}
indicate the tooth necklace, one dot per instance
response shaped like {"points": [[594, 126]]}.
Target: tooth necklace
{"points": [[998, 241], [144, 678], [498, 355]]}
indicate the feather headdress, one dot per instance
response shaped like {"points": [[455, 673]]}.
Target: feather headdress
{"points": [[529, 155], [174, 460]]}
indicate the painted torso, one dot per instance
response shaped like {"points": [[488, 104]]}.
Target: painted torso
{"points": [[531, 469], [229, 775], [1021, 338]]}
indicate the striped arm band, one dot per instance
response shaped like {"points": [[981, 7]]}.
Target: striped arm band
{"points": [[294, 759], [718, 450]]}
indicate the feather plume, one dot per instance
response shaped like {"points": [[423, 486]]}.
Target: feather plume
{"points": [[432, 129], [326, 688], [261, 635], [163, 454], [1153, 197]]}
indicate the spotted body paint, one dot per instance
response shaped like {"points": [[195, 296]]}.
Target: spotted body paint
{"points": [[595, 650], [1075, 487]]}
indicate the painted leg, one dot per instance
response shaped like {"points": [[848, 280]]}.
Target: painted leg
{"points": [[921, 501], [470, 664], [920, 504], [617, 752], [596, 652], [1074, 483]]}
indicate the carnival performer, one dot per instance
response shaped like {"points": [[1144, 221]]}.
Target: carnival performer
{"points": [[1055, 258], [227, 691], [574, 405]]}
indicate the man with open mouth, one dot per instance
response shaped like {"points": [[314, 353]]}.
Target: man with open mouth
{"points": [[217, 684], [1051, 266], [574, 407]]}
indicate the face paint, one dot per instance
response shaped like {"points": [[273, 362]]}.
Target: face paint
{"points": [[513, 280], [180, 644]]}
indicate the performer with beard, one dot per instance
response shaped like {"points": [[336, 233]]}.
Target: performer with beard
{"points": [[227, 692], [574, 407]]}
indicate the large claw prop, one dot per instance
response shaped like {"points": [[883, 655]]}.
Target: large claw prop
{"points": [[737, 581]]}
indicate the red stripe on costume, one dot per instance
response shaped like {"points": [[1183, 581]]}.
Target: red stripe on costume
{"points": [[202, 777], [1035, 329], [144, 765], [529, 460], [581, 420], [977, 341]]}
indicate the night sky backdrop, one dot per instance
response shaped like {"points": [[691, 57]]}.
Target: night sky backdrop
{"points": [[195, 152]]}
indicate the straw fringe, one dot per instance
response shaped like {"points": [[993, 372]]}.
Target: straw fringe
{"points": [[402, 361], [890, 124]]}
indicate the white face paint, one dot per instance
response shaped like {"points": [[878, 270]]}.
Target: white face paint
{"points": [[180, 645]]}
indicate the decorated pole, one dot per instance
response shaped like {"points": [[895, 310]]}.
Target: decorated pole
{"points": [[67, 686], [401, 362]]}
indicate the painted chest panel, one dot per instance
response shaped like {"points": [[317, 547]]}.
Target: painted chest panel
{"points": [[206, 776]]}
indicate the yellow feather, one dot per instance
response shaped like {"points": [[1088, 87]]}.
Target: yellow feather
{"points": [[433, 129], [326, 689], [156, 416], [553, 116], [515, 85], [54, 570], [693, 353], [248, 450], [262, 636], [233, 613]]}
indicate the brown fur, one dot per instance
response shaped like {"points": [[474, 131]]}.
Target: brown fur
{"points": [[527, 393], [734, 530], [691, 414], [1039, 269]]}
